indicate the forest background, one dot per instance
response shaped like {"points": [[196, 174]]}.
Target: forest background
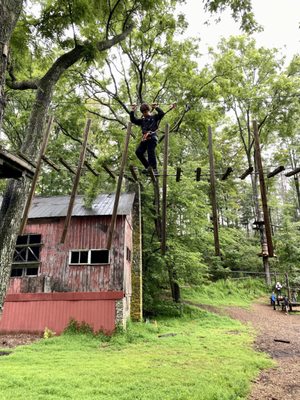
{"points": [[75, 60]]}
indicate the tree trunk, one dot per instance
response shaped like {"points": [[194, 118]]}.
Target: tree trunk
{"points": [[9, 15], [16, 193], [296, 182], [175, 288], [267, 271]]}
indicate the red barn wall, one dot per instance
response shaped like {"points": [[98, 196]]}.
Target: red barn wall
{"points": [[33, 312], [84, 233]]}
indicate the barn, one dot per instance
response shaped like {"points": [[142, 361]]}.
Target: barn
{"points": [[53, 282]]}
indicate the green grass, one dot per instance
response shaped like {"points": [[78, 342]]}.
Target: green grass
{"points": [[208, 358], [227, 292]]}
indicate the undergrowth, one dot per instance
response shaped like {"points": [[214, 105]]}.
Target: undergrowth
{"points": [[227, 292]]}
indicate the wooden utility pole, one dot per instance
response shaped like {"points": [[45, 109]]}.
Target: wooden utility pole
{"points": [[164, 191], [76, 181], [175, 289], [36, 175], [156, 204], [288, 286], [263, 191], [213, 193], [118, 190]]}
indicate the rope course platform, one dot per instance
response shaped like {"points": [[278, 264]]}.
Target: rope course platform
{"points": [[12, 166], [137, 173]]}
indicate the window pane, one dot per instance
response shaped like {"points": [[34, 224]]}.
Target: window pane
{"points": [[31, 271], [20, 255], [99, 257], [16, 272], [35, 238], [79, 257], [74, 257], [84, 257], [33, 253], [22, 239], [25, 250]]}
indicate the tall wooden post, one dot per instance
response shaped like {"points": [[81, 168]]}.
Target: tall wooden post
{"points": [[297, 187], [213, 193], [156, 204], [164, 191], [136, 308], [263, 191], [118, 190], [175, 289], [76, 181], [36, 175], [288, 286]]}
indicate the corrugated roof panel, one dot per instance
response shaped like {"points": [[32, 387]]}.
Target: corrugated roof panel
{"points": [[57, 206]]}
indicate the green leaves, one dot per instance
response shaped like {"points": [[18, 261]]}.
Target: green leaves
{"points": [[240, 10]]}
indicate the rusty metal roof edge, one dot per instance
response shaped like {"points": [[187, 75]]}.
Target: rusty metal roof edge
{"points": [[57, 206]]}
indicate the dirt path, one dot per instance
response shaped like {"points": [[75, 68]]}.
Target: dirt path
{"points": [[283, 381], [14, 340]]}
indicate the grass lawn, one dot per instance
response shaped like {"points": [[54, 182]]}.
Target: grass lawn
{"points": [[207, 357], [228, 292]]}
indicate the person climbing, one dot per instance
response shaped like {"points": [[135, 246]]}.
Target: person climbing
{"points": [[149, 124]]}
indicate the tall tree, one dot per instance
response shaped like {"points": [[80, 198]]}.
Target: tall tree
{"points": [[252, 84], [9, 15], [93, 38]]}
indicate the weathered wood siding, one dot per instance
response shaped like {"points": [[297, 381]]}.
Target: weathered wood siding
{"points": [[84, 233]]}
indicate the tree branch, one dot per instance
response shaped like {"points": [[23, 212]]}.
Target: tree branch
{"points": [[23, 85]]}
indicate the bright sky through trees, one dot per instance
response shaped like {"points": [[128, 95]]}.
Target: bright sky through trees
{"points": [[280, 19]]}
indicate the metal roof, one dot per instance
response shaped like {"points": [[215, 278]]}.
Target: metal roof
{"points": [[57, 206]]}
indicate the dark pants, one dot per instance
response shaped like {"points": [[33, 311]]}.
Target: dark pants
{"points": [[149, 146]]}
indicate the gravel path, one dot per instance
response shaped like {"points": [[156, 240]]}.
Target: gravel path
{"points": [[283, 381]]}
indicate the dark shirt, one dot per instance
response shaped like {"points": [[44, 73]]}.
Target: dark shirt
{"points": [[149, 123], [286, 301]]}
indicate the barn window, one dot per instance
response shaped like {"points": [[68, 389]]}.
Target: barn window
{"points": [[79, 257], [99, 257], [128, 254], [89, 256], [26, 259]]}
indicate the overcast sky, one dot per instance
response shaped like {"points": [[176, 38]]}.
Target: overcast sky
{"points": [[280, 19]]}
